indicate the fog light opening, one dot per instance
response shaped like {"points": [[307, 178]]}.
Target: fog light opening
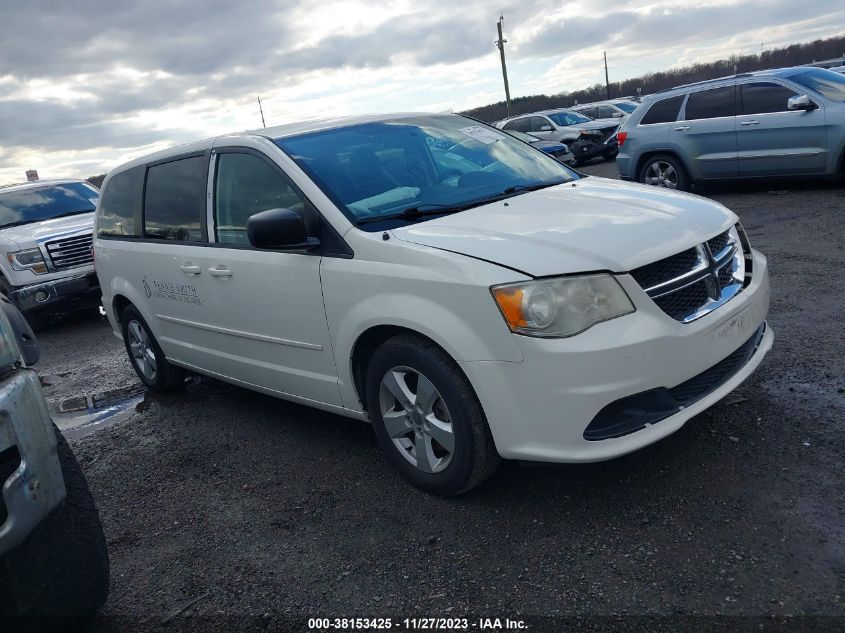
{"points": [[41, 296]]}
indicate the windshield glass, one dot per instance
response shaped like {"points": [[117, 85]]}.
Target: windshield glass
{"points": [[827, 83], [384, 168], [626, 105], [23, 206], [568, 118]]}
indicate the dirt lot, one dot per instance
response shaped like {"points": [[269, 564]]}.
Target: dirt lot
{"points": [[219, 503]]}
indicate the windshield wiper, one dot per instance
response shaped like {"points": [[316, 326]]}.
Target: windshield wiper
{"points": [[414, 212], [418, 211]]}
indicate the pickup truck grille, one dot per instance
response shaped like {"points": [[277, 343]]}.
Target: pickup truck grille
{"points": [[70, 252], [694, 282]]}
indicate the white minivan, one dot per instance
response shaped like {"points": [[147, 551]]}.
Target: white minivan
{"points": [[471, 310]]}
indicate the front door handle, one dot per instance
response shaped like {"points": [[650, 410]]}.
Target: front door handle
{"points": [[682, 128], [220, 271], [749, 123], [190, 269]]}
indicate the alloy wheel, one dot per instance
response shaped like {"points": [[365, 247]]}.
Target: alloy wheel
{"points": [[661, 174], [416, 419], [142, 351]]}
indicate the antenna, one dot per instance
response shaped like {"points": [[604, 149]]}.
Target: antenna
{"points": [[261, 110]]}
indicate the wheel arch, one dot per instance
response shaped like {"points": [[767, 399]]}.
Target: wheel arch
{"points": [[668, 151]]}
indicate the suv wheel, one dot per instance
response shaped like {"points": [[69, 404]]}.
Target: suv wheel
{"points": [[60, 573], [664, 170], [427, 417], [146, 356]]}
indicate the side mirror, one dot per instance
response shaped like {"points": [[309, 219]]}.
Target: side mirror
{"points": [[279, 229], [618, 115], [800, 102], [546, 128]]}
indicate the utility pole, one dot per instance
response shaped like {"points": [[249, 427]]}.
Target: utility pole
{"points": [[261, 110], [501, 44], [606, 79]]}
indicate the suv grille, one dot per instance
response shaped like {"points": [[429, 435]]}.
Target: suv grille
{"points": [[694, 282], [70, 252]]}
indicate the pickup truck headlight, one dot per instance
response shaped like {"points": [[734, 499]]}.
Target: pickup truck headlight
{"points": [[29, 259], [562, 306]]}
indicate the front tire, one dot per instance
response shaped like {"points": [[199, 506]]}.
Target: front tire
{"points": [[427, 417], [145, 354], [664, 170], [60, 573]]}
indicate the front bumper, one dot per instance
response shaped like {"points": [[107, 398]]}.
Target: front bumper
{"points": [[67, 294], [540, 408], [36, 486]]}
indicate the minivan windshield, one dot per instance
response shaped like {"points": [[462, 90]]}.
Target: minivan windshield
{"points": [[827, 83], [568, 118], [401, 169], [33, 204]]}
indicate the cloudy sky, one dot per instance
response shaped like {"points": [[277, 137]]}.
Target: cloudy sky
{"points": [[87, 84]]}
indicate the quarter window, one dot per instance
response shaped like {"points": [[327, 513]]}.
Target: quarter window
{"points": [[711, 104], [759, 98], [246, 185], [663, 111], [174, 202], [120, 203]]}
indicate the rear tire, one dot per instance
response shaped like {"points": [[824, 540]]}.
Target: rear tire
{"points": [[60, 574], [445, 426], [664, 170], [145, 354]]}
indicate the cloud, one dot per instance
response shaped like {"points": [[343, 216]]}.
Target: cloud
{"points": [[83, 83]]}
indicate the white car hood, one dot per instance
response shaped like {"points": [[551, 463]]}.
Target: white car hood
{"points": [[27, 235], [588, 225]]}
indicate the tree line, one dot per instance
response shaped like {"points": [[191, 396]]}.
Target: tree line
{"points": [[793, 55]]}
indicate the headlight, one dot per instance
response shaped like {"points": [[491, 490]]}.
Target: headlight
{"points": [[563, 306], [30, 259]]}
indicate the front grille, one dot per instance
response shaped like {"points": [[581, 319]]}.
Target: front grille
{"points": [[666, 269], [686, 301], [70, 252], [694, 282]]}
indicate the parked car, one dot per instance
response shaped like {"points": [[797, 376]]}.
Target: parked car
{"points": [[46, 266], [54, 565], [516, 310], [587, 139], [604, 110], [787, 122], [839, 69], [558, 150]]}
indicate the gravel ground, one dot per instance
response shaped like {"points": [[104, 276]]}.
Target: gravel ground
{"points": [[228, 510]]}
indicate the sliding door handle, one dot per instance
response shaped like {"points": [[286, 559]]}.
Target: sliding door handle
{"points": [[190, 269], [220, 271]]}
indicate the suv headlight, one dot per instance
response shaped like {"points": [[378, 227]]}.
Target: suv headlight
{"points": [[29, 259], [562, 306]]}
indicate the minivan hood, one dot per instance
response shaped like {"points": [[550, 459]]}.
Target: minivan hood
{"points": [[598, 124], [45, 230], [587, 225]]}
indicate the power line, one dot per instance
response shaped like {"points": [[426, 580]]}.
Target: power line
{"points": [[261, 110]]}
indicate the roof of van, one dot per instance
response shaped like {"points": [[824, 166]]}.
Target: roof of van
{"points": [[275, 132]]}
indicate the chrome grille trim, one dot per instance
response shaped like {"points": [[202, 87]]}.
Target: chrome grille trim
{"points": [[690, 294], [70, 252]]}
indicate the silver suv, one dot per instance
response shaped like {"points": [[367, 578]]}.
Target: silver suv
{"points": [[786, 122]]}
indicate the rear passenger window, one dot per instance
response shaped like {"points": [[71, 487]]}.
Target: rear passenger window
{"points": [[120, 203], [175, 200], [246, 185], [520, 125], [663, 111], [710, 104], [759, 98]]}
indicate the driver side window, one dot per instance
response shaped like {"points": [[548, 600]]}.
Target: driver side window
{"points": [[245, 185]]}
